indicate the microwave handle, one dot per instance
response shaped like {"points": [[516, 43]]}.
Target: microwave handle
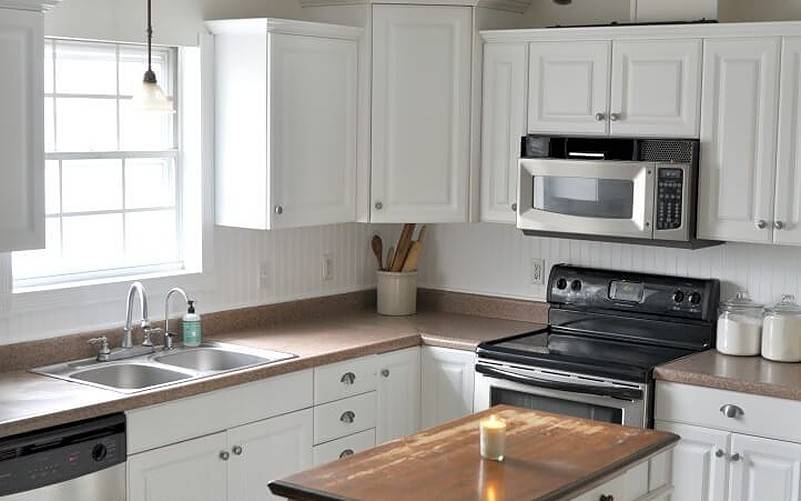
{"points": [[619, 393]]}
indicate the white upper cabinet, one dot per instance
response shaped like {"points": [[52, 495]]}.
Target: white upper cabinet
{"points": [[764, 469], [787, 225], [656, 88], [503, 123], [569, 87], [738, 139], [22, 129], [421, 113], [286, 123]]}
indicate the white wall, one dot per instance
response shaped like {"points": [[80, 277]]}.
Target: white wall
{"points": [[494, 259]]}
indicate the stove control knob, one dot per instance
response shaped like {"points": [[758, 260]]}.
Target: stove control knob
{"points": [[695, 298], [575, 285], [561, 284], [678, 297]]}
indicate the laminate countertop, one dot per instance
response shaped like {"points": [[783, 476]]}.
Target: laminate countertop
{"points": [[30, 401], [754, 375], [547, 457]]}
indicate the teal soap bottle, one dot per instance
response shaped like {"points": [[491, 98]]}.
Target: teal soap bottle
{"points": [[191, 327]]}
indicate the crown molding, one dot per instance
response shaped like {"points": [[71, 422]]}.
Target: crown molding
{"points": [[35, 5], [285, 26], [518, 6]]}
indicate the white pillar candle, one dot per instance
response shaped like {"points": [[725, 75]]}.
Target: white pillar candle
{"points": [[493, 438]]}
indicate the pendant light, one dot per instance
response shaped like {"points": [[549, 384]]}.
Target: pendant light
{"points": [[149, 97]]}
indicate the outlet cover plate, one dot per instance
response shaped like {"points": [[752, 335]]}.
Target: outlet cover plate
{"points": [[537, 271]]}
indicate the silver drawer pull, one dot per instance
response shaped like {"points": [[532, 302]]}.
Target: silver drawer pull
{"points": [[348, 378], [719, 453], [384, 372], [346, 453], [347, 417], [224, 455], [731, 411], [736, 456], [237, 450]]}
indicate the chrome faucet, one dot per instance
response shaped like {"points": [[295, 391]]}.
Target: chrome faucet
{"points": [[127, 337], [168, 336]]}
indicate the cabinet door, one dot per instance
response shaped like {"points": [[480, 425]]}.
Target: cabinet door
{"points": [[787, 229], [398, 394], [187, 471], [656, 88], [447, 384], [738, 139], [21, 131], [698, 463], [312, 111], [421, 113], [568, 87], [268, 450], [503, 123], [765, 469]]}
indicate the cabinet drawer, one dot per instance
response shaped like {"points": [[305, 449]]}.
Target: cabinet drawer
{"points": [[342, 447], [344, 379], [344, 417], [762, 416]]}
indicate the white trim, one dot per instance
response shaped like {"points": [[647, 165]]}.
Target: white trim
{"points": [[34, 5], [94, 155], [651, 32], [284, 26], [517, 6]]}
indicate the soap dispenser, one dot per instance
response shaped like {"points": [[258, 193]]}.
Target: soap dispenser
{"points": [[191, 326]]}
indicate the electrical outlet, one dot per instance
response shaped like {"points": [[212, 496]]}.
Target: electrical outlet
{"points": [[264, 275], [328, 266], [537, 271]]}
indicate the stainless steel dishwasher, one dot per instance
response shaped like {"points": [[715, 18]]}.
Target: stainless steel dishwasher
{"points": [[82, 461]]}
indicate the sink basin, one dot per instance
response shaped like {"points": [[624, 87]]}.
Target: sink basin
{"points": [[211, 359], [129, 376]]}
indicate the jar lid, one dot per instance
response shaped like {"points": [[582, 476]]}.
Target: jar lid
{"points": [[740, 302], [785, 306]]}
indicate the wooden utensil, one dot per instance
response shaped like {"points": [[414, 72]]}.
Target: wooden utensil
{"points": [[404, 244], [413, 258], [378, 249], [422, 233], [390, 257]]}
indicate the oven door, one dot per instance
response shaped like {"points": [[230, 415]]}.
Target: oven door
{"points": [[561, 393], [589, 197]]}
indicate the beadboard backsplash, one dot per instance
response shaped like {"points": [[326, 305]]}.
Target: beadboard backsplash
{"points": [[495, 259]]}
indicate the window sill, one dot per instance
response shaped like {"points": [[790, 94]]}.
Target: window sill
{"points": [[76, 284]]}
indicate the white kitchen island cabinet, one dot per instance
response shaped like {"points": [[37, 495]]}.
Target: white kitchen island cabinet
{"points": [[286, 100]]}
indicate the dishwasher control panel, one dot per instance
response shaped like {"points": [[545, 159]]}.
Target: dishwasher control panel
{"points": [[60, 454]]}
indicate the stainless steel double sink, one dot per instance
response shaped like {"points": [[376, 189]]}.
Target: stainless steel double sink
{"points": [[161, 368]]}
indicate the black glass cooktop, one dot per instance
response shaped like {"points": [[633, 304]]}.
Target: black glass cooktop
{"points": [[585, 354]]}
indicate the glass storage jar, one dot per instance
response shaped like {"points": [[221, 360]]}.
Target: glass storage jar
{"points": [[740, 326], [781, 331]]}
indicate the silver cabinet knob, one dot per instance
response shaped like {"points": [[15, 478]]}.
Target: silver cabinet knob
{"points": [[719, 453], [614, 117], [237, 450], [279, 210], [600, 116], [731, 411], [379, 205], [736, 456], [224, 455], [347, 417], [514, 207], [346, 453], [385, 372], [348, 378], [761, 224], [779, 225]]}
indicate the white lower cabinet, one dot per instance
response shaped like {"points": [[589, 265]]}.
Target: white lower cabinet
{"points": [[730, 463], [447, 384], [343, 447], [641, 482], [398, 410]]}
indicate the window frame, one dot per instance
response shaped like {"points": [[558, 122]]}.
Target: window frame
{"points": [[66, 278]]}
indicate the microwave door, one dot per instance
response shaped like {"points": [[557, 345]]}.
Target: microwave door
{"points": [[603, 198]]}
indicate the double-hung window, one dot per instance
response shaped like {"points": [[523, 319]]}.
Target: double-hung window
{"points": [[112, 174]]}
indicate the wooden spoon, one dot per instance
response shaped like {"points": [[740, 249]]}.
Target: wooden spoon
{"points": [[378, 249], [390, 257]]}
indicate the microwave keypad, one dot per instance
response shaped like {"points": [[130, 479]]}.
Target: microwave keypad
{"points": [[669, 197]]}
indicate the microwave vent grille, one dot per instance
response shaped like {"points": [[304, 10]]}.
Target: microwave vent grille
{"points": [[666, 150]]}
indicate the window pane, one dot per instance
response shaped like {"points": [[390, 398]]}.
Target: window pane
{"points": [[133, 63], [90, 185], [150, 237], [86, 68], [149, 182], [144, 131], [86, 124], [49, 125], [48, 67], [52, 194], [92, 242], [42, 262]]}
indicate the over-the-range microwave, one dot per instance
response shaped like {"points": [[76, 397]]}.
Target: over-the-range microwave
{"points": [[611, 189]]}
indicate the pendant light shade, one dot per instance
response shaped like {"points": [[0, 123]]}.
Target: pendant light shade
{"points": [[148, 96]]}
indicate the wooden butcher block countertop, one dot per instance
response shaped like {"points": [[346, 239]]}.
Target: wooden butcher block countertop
{"points": [[548, 457]]}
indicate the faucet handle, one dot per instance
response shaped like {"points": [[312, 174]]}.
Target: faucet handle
{"points": [[104, 351], [149, 331]]}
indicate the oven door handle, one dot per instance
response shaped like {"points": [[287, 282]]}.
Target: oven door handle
{"points": [[618, 393]]}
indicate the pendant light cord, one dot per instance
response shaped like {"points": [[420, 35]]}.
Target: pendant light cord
{"points": [[150, 77]]}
